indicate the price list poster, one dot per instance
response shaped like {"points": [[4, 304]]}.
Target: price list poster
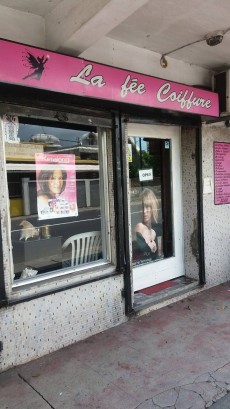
{"points": [[221, 173]]}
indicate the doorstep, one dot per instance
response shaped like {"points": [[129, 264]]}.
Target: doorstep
{"points": [[180, 288]]}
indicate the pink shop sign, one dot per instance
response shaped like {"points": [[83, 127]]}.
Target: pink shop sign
{"points": [[38, 68]]}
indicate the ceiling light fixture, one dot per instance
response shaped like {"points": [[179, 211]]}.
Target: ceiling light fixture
{"points": [[214, 38], [211, 39]]}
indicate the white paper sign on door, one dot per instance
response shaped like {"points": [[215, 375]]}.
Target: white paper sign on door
{"points": [[145, 174], [130, 152]]}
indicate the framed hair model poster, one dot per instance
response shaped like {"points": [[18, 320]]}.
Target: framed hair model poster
{"points": [[56, 185]]}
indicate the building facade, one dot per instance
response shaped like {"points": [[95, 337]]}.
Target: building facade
{"points": [[109, 188]]}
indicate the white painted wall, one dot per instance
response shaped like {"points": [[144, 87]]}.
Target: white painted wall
{"points": [[119, 54], [22, 27], [55, 31]]}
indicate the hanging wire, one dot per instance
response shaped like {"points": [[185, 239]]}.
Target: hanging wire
{"points": [[218, 33]]}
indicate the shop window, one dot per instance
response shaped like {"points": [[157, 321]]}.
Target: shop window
{"points": [[57, 186]]}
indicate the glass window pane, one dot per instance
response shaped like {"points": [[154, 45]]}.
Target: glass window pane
{"points": [[150, 187], [55, 198]]}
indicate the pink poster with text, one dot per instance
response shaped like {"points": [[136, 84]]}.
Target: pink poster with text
{"points": [[56, 185], [221, 173]]}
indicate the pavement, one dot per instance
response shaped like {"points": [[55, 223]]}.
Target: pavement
{"points": [[177, 357]]}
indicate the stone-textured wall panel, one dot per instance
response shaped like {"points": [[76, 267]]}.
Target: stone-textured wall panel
{"points": [[32, 329], [216, 217], [189, 194]]}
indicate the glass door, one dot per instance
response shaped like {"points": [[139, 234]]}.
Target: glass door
{"points": [[155, 204]]}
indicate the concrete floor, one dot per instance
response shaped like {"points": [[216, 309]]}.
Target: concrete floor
{"points": [[177, 357]]}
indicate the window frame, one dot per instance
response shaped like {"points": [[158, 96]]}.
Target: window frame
{"points": [[71, 276]]}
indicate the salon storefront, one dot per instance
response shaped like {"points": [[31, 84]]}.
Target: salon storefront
{"points": [[81, 145]]}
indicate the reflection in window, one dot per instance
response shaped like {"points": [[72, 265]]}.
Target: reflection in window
{"points": [[150, 188], [55, 191]]}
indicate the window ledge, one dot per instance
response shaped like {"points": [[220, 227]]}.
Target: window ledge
{"points": [[53, 282]]}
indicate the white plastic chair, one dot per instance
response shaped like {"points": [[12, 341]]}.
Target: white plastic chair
{"points": [[86, 247]]}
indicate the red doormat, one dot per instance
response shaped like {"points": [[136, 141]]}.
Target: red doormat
{"points": [[157, 287]]}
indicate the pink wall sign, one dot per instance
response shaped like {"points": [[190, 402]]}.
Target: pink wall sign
{"points": [[33, 67], [221, 173]]}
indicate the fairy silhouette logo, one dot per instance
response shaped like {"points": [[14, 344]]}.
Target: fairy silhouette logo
{"points": [[36, 65]]}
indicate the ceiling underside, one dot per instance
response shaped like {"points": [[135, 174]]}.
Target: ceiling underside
{"points": [[72, 26]]}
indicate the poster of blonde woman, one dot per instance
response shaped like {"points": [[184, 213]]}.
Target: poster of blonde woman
{"points": [[148, 231], [56, 185]]}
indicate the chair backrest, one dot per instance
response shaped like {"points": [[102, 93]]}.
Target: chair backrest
{"points": [[86, 247]]}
